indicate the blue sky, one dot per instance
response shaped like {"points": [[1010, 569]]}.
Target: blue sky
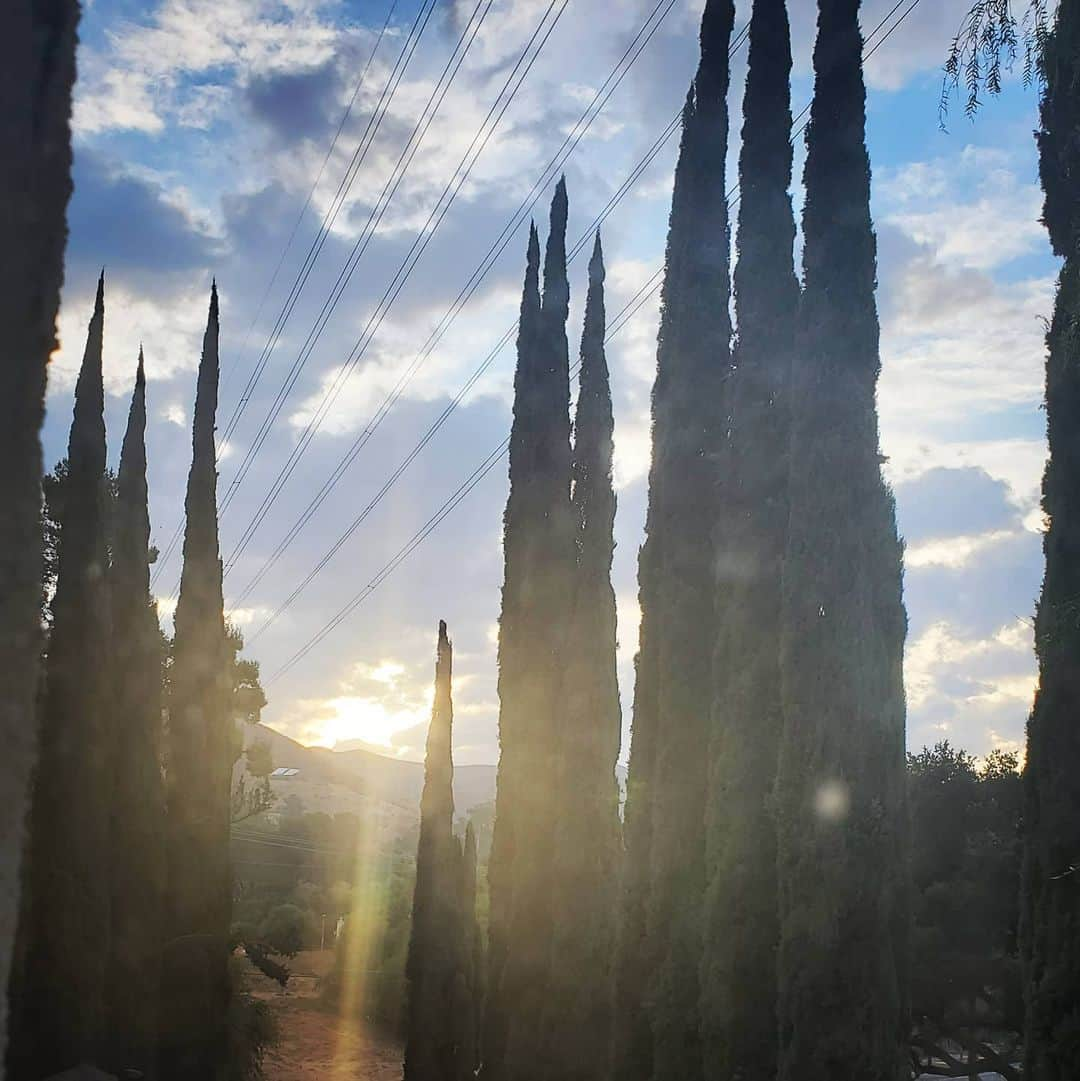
{"points": [[200, 127]]}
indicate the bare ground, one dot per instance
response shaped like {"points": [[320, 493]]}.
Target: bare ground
{"points": [[316, 1044]]}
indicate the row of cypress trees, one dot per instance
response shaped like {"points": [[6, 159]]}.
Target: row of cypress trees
{"points": [[763, 907], [122, 942], [553, 864]]}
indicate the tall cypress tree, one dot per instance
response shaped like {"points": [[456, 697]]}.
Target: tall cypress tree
{"points": [[739, 965], [137, 869], [434, 964], [1051, 895], [841, 771], [66, 931], [677, 568], [195, 989], [37, 59], [579, 997], [632, 1045], [467, 1007], [539, 554]]}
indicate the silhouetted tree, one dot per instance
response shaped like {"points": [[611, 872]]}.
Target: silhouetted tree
{"points": [[61, 991], [840, 790], [37, 72], [468, 999], [436, 943], [539, 554], [674, 695], [195, 987], [739, 965], [137, 871], [1051, 897], [587, 803]]}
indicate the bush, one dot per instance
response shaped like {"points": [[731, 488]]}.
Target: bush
{"points": [[286, 930]]}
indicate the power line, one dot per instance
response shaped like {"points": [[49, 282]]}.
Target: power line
{"points": [[571, 141], [488, 464], [423, 238], [374, 122]]}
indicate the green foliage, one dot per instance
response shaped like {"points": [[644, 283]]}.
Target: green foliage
{"points": [[201, 751], [843, 953], [436, 958], [986, 47], [661, 938], [965, 898], [578, 1013], [739, 964], [137, 872], [61, 988], [539, 557], [1050, 931], [286, 930]]}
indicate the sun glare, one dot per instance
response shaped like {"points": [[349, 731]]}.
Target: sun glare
{"points": [[368, 719]]}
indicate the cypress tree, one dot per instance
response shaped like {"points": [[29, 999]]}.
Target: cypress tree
{"points": [[632, 1033], [195, 988], [842, 888], [538, 549], [37, 62], [579, 998], [434, 965], [62, 989], [677, 575], [138, 798], [1050, 928], [467, 1008], [739, 965]]}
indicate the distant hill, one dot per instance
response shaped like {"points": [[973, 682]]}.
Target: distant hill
{"points": [[361, 781]]}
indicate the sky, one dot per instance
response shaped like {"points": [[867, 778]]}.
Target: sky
{"points": [[213, 138]]}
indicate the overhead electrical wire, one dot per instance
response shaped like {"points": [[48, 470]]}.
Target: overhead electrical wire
{"points": [[359, 155], [621, 320], [600, 98], [404, 271]]}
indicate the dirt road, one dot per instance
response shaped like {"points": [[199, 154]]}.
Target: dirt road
{"points": [[316, 1044]]}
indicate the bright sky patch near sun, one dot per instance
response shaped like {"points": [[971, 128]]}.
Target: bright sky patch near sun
{"points": [[200, 127]]}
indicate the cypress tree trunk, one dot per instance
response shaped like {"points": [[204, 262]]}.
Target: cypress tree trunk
{"points": [[67, 921], [536, 596], [1050, 925], [579, 1002], [195, 987], [739, 965], [138, 797], [632, 1033], [37, 70], [842, 880], [689, 419], [434, 964]]}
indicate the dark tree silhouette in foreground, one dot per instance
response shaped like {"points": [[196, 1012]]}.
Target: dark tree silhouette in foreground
{"points": [[1051, 878], [137, 868], [195, 986], [436, 941], [37, 72], [741, 931], [587, 804], [61, 989], [841, 784]]}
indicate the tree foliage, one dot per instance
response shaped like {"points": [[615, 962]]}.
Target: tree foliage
{"points": [[66, 915], [137, 868], [587, 803], [1051, 878], [841, 786], [741, 932]]}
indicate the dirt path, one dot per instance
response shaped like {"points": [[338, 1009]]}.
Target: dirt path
{"points": [[316, 1044]]}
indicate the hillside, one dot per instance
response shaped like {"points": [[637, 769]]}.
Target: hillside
{"points": [[362, 781]]}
